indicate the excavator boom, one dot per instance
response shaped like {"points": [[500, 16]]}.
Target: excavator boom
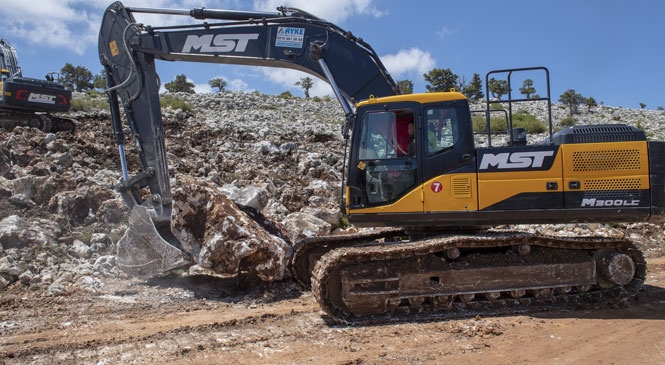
{"points": [[289, 39]]}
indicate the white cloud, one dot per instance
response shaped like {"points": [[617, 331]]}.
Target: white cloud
{"points": [[445, 32], [238, 85], [73, 25], [202, 88], [408, 61], [69, 25], [287, 79]]}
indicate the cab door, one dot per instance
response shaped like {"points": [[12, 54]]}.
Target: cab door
{"points": [[384, 169], [448, 168]]}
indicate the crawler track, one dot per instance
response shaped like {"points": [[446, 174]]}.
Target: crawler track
{"points": [[45, 122], [461, 275], [310, 250]]}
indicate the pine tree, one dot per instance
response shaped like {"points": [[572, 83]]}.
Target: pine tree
{"points": [[76, 78], [572, 100], [527, 88], [305, 83], [474, 90], [590, 102], [180, 84], [440, 79], [219, 83], [405, 86], [498, 88]]}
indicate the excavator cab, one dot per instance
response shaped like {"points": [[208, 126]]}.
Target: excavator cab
{"points": [[390, 170]]}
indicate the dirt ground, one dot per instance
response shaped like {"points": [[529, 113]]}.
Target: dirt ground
{"points": [[196, 320]]}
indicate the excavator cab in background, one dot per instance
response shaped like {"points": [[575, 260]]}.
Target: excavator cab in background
{"points": [[28, 102], [413, 166]]}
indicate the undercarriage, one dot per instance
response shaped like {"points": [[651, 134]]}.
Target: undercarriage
{"points": [[45, 122], [367, 279]]}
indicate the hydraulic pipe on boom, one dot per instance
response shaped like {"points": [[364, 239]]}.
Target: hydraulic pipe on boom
{"points": [[203, 13]]}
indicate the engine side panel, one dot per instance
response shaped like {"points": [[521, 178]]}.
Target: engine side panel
{"points": [[520, 178]]}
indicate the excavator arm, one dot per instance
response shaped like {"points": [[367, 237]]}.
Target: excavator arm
{"points": [[290, 38]]}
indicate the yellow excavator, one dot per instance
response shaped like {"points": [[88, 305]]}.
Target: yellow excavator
{"points": [[30, 102], [413, 170]]}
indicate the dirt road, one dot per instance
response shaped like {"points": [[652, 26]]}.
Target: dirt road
{"points": [[195, 320]]}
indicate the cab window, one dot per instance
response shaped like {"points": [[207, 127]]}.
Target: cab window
{"points": [[387, 135], [386, 168], [442, 129]]}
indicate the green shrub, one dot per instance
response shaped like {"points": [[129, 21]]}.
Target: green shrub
{"points": [[478, 123], [529, 122], [496, 124], [568, 121], [86, 104], [93, 93], [174, 102], [344, 222], [286, 95]]}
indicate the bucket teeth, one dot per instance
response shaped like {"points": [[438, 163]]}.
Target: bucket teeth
{"points": [[143, 252]]}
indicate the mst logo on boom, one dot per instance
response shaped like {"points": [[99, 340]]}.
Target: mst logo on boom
{"points": [[218, 43], [514, 160]]}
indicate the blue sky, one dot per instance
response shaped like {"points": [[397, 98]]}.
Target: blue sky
{"points": [[610, 50]]}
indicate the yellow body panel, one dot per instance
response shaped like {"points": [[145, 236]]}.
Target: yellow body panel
{"points": [[411, 202], [606, 166], [455, 192], [495, 191], [494, 187]]}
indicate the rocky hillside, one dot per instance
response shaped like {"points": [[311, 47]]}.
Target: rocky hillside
{"points": [[281, 159]]}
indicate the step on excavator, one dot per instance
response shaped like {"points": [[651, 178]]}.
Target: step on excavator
{"points": [[414, 171], [30, 102]]}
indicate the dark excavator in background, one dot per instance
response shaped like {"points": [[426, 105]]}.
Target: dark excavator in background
{"points": [[30, 102], [413, 167]]}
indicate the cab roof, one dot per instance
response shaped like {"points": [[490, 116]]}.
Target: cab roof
{"points": [[419, 98]]}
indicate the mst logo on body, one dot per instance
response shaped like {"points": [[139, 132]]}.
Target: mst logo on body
{"points": [[41, 98], [540, 159]]}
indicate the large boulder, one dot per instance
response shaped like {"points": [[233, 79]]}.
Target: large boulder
{"points": [[302, 225], [17, 232], [224, 238]]}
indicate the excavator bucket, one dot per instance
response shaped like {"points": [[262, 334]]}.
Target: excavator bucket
{"points": [[143, 251]]}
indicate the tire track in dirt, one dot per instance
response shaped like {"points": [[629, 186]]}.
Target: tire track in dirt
{"points": [[140, 327]]}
